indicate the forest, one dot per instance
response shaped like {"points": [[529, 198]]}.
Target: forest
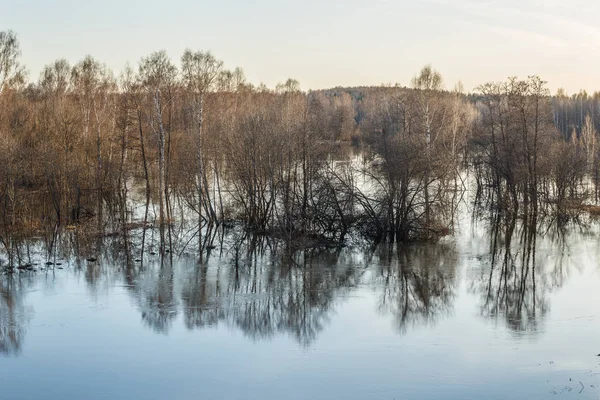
{"points": [[201, 146]]}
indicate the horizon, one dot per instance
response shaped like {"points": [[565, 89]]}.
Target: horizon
{"points": [[326, 45]]}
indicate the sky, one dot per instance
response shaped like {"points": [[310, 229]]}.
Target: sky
{"points": [[326, 43]]}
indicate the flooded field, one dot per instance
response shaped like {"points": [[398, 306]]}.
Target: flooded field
{"points": [[353, 228]]}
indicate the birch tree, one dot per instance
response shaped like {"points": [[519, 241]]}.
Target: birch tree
{"points": [[11, 70], [428, 84], [200, 72], [95, 87], [12, 73], [157, 75]]}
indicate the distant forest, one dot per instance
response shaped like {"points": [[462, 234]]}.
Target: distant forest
{"points": [[198, 137]]}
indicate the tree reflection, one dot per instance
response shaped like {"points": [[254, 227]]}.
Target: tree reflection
{"points": [[417, 283], [14, 315], [201, 299], [514, 286], [255, 285], [268, 296], [156, 296]]}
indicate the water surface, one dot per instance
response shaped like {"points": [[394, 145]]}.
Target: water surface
{"points": [[475, 316]]}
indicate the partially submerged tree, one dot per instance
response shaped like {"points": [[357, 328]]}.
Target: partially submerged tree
{"points": [[158, 76], [200, 73]]}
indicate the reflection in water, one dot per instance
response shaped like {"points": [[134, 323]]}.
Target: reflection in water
{"points": [[156, 297], [267, 297], [252, 284], [517, 277], [417, 283], [14, 314], [512, 285], [255, 289]]}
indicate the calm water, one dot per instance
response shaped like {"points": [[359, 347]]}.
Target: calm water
{"points": [[469, 318]]}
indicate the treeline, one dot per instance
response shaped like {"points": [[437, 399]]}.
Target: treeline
{"points": [[202, 141], [531, 153], [75, 141]]}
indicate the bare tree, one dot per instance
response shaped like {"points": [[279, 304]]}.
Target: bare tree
{"points": [[428, 84], [95, 88], [11, 71], [157, 75], [200, 71]]}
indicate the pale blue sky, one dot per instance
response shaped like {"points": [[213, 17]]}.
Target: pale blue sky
{"points": [[329, 42]]}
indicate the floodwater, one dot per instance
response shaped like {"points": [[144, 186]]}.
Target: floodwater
{"points": [[477, 316]]}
